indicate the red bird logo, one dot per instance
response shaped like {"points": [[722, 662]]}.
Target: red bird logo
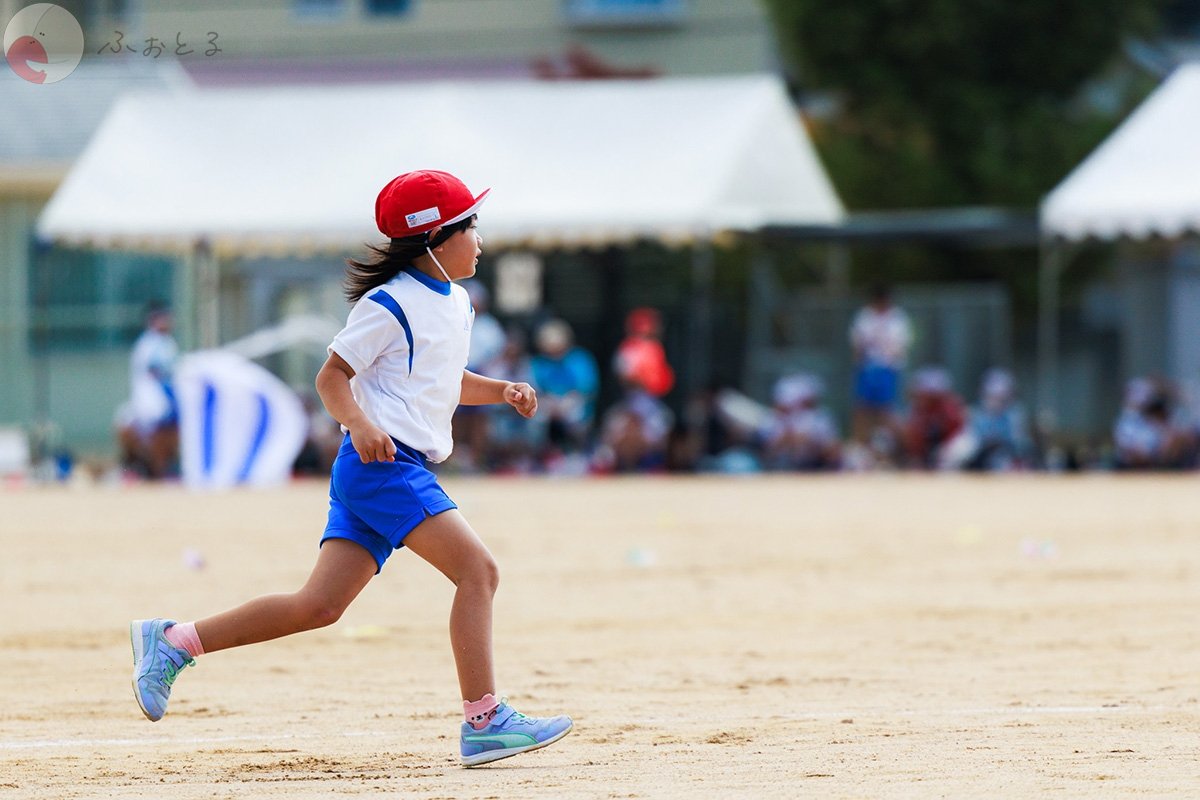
{"points": [[24, 51], [43, 43]]}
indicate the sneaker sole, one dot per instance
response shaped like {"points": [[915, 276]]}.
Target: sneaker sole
{"points": [[135, 639], [495, 755]]}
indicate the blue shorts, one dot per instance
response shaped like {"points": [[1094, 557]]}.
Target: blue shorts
{"points": [[877, 386], [378, 504]]}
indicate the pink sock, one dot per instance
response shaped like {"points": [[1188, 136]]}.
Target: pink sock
{"points": [[184, 637], [479, 712]]}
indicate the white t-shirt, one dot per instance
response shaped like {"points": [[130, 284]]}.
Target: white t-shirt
{"points": [[150, 367], [407, 342], [883, 337]]}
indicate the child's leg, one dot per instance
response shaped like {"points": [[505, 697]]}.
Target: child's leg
{"points": [[343, 568], [447, 542]]}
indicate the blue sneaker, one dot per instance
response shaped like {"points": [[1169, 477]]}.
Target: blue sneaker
{"points": [[156, 664], [510, 733]]}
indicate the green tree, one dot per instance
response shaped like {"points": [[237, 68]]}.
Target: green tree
{"points": [[947, 102]]}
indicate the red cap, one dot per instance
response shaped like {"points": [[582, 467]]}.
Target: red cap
{"points": [[417, 202]]}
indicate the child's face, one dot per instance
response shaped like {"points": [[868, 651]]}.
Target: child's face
{"points": [[460, 253]]}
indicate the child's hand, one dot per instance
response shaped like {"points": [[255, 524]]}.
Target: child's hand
{"points": [[372, 444], [522, 397]]}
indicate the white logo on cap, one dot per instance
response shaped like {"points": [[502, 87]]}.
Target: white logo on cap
{"points": [[419, 218]]}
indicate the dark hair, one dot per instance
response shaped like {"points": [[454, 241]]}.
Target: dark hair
{"points": [[156, 308], [390, 258]]}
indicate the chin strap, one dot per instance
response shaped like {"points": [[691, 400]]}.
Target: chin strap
{"points": [[439, 265]]}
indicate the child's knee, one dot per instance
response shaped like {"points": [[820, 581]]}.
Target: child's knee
{"points": [[317, 612], [485, 573]]}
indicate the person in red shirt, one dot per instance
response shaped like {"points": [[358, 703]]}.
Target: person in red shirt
{"points": [[641, 359], [938, 415], [635, 431]]}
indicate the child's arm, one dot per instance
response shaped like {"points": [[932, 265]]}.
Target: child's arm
{"points": [[333, 385], [480, 391]]}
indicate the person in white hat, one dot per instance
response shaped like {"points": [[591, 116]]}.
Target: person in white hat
{"points": [[801, 434], [393, 378], [999, 426]]}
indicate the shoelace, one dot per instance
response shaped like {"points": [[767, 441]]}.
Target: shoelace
{"points": [[520, 718], [172, 667]]}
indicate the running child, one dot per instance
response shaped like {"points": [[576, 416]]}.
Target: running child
{"points": [[393, 378]]}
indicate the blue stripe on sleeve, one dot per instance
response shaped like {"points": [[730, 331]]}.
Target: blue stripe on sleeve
{"points": [[387, 301]]}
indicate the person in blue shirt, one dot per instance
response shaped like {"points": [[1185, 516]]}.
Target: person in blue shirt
{"points": [[567, 379], [999, 426]]}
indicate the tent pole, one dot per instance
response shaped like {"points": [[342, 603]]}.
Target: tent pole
{"points": [[1049, 271], [1053, 259], [207, 278], [700, 346], [40, 348], [837, 270]]}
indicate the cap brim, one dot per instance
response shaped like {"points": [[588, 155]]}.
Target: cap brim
{"points": [[474, 208]]}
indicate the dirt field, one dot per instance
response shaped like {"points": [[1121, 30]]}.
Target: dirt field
{"points": [[785, 637]]}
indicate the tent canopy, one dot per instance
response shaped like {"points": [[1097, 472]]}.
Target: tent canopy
{"points": [[297, 169], [45, 127], [1144, 179]]}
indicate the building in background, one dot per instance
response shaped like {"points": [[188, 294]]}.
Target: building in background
{"points": [[352, 40]]}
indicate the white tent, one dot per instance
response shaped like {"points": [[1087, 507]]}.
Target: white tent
{"points": [[1144, 179], [297, 169]]}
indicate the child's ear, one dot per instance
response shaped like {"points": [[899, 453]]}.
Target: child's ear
{"points": [[429, 237]]}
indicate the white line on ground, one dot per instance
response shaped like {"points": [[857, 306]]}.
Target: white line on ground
{"points": [[40, 744], [1002, 711], [881, 714]]}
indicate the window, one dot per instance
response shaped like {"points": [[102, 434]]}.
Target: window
{"points": [[319, 10], [600, 13], [389, 8], [100, 10]]}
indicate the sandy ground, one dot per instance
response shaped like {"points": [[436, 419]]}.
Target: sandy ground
{"points": [[785, 637]]}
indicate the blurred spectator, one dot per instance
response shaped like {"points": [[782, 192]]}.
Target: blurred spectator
{"points": [[801, 435], [640, 358], [635, 433], [566, 378], [709, 434], [148, 424], [881, 335], [1151, 433], [637, 430], [732, 424], [487, 343], [999, 431], [512, 439], [487, 334], [937, 416]]}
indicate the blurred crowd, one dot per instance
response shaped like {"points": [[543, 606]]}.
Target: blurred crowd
{"points": [[902, 418], [568, 435]]}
